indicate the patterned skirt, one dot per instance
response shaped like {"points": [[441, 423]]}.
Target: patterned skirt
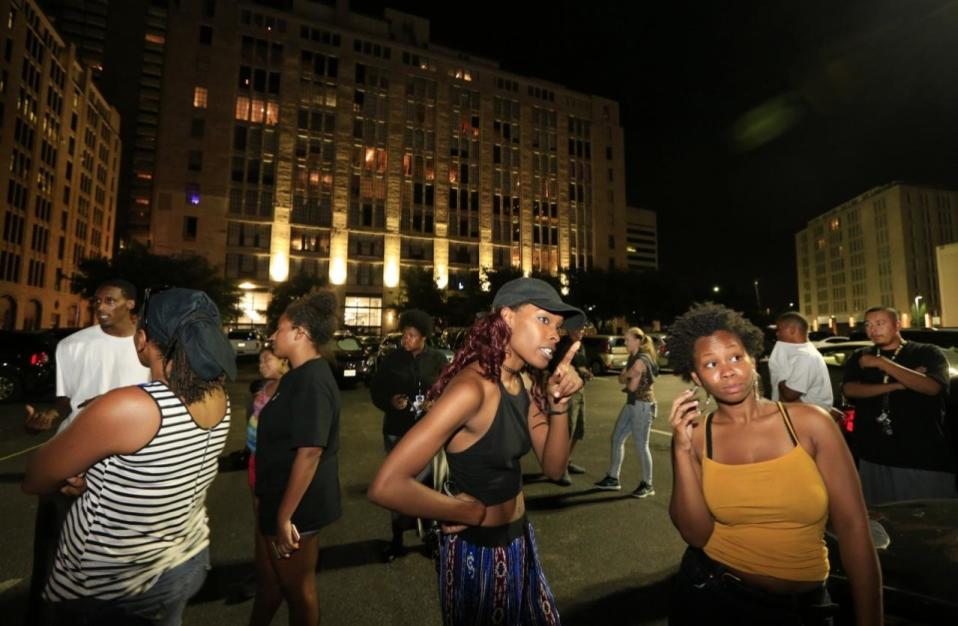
{"points": [[493, 576]]}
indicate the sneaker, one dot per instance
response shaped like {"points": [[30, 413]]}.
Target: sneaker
{"points": [[609, 484], [644, 490], [576, 469], [565, 481]]}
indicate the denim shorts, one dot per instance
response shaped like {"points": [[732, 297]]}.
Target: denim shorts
{"points": [[160, 605]]}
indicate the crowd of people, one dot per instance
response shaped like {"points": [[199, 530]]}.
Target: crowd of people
{"points": [[122, 534]]}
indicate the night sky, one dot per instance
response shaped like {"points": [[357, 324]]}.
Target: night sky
{"points": [[742, 119]]}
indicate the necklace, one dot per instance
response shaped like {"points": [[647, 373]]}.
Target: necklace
{"points": [[892, 358], [510, 370]]}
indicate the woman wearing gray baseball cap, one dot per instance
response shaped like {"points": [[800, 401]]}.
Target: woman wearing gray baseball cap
{"points": [[135, 546], [492, 405]]}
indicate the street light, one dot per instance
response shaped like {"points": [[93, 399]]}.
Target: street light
{"points": [[716, 288]]}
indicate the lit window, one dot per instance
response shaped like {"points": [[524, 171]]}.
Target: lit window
{"points": [[242, 108], [199, 97], [407, 165], [259, 111], [272, 113], [157, 39], [370, 158]]}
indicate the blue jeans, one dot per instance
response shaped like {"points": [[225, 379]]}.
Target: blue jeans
{"points": [[160, 605], [636, 420]]}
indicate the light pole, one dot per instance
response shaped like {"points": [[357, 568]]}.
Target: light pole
{"points": [[758, 298], [917, 317]]}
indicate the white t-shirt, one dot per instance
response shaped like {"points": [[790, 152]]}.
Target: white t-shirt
{"points": [[90, 362], [803, 369]]}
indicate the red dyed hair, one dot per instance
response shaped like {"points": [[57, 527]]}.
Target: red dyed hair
{"points": [[487, 342]]}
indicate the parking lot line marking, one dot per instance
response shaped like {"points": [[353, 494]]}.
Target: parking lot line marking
{"points": [[24, 451], [656, 431], [9, 584]]}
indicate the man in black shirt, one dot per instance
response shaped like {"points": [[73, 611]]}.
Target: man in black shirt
{"points": [[898, 389], [399, 390]]}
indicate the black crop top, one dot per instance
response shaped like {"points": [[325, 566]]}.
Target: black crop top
{"points": [[489, 469]]}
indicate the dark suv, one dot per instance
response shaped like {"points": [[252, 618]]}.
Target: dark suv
{"points": [[26, 364]]}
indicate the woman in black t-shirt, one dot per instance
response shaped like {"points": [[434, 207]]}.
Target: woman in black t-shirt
{"points": [[297, 474]]}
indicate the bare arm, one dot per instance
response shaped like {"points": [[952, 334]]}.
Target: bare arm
{"points": [[846, 509], [549, 429], [687, 508], [41, 421], [635, 375], [786, 394], [300, 476], [395, 486], [102, 429], [909, 378]]}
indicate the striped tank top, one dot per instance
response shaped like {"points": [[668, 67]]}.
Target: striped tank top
{"points": [[142, 513]]}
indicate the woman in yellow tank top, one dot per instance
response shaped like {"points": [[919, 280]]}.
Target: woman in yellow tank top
{"points": [[754, 483]]}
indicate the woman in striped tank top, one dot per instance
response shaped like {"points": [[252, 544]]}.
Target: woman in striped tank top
{"points": [[135, 546]]}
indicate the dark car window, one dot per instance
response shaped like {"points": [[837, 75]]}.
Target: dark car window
{"points": [[247, 335]]}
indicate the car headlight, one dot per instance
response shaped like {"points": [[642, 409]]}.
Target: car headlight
{"points": [[952, 372]]}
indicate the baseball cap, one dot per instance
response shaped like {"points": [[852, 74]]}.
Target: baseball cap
{"points": [[541, 294]]}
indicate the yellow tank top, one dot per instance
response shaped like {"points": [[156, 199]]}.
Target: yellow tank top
{"points": [[769, 516]]}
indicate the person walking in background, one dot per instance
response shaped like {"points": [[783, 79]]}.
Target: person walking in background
{"points": [[487, 415], [271, 370], [797, 369], [636, 416], [577, 401], [89, 363], [754, 483], [399, 390], [297, 464], [135, 547], [898, 389]]}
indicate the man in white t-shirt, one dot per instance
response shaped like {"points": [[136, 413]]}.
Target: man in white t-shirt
{"points": [[797, 370], [89, 363]]}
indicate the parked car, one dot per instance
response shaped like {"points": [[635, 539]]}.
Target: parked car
{"points": [[605, 353], [345, 357], [661, 342], [453, 337], [246, 341], [832, 339], [393, 341], [26, 364], [439, 342], [916, 542]]}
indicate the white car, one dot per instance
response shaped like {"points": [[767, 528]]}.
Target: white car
{"points": [[246, 341]]}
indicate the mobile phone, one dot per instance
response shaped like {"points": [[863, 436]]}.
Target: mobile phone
{"points": [[704, 399]]}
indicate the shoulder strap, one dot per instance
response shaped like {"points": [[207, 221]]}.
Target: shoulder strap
{"points": [[708, 435], [788, 422]]}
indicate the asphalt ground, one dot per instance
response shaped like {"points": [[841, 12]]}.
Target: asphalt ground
{"points": [[607, 556]]}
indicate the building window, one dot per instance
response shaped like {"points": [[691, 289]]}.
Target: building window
{"points": [[197, 127], [206, 35], [199, 97], [196, 160], [361, 312], [189, 228]]}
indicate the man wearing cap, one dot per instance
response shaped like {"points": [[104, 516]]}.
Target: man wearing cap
{"points": [[89, 363], [399, 390]]}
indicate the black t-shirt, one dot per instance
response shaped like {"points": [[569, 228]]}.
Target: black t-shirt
{"points": [[401, 373], [578, 360], [304, 412], [918, 440]]}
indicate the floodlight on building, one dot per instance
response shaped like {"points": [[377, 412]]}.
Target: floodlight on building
{"points": [[337, 270], [279, 267]]}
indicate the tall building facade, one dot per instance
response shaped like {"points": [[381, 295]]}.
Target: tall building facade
{"points": [[124, 44], [641, 239], [876, 249], [61, 143], [316, 140]]}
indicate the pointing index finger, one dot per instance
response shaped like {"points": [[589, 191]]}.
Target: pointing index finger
{"points": [[570, 353]]}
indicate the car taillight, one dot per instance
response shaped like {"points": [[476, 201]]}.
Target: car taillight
{"points": [[39, 358], [662, 349], [849, 422]]}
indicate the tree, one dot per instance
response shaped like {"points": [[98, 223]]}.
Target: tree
{"points": [[420, 291], [285, 292], [145, 269]]}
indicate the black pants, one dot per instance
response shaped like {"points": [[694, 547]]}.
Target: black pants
{"points": [[706, 592]]}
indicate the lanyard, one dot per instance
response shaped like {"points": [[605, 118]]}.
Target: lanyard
{"points": [[892, 358]]}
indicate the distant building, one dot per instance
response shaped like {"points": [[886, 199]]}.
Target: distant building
{"points": [[124, 44], [876, 249], [947, 259], [641, 239], [322, 141], [60, 147]]}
